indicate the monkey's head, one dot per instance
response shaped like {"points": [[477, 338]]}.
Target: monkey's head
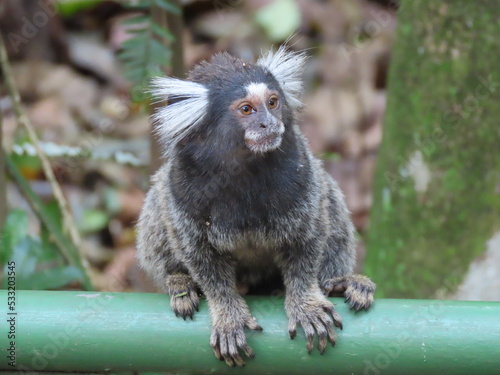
{"points": [[233, 101]]}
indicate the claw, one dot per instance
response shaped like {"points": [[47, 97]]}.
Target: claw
{"points": [[292, 333], [252, 324], [248, 351], [215, 347], [322, 342], [238, 360], [229, 361], [229, 342], [310, 344], [338, 324]]}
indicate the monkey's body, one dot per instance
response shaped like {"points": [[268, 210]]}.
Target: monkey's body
{"points": [[282, 212], [230, 207]]}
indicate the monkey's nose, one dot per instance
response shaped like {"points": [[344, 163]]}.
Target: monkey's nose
{"points": [[262, 126]]}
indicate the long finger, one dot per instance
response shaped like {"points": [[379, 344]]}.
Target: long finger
{"points": [[242, 344], [214, 343], [309, 331], [233, 350], [328, 323], [292, 329]]}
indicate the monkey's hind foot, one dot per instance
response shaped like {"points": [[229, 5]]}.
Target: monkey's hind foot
{"points": [[183, 293], [358, 290]]}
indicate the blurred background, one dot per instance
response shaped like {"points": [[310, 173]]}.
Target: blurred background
{"points": [[425, 200]]}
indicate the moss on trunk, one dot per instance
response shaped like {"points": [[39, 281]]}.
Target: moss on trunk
{"points": [[436, 195]]}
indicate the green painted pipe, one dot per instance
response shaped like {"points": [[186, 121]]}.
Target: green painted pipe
{"points": [[117, 332]]}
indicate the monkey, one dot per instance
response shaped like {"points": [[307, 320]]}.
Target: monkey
{"points": [[240, 197]]}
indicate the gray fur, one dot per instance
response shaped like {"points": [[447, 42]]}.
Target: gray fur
{"points": [[312, 243]]}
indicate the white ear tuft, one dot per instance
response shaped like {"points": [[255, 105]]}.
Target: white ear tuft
{"points": [[176, 120], [287, 68]]}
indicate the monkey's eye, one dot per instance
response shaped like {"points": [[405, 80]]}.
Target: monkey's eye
{"points": [[273, 102], [246, 109]]}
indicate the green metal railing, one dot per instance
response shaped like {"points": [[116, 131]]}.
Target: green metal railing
{"points": [[125, 332]]}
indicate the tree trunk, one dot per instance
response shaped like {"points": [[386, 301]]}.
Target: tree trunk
{"points": [[437, 188]]}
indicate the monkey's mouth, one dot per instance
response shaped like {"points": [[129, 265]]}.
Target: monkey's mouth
{"points": [[263, 143]]}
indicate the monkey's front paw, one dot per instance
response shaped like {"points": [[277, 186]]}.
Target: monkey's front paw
{"points": [[184, 297], [316, 315], [358, 290], [228, 338]]}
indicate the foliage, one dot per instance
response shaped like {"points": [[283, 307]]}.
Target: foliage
{"points": [[38, 263], [279, 19], [67, 8], [52, 235], [52, 260], [146, 53]]}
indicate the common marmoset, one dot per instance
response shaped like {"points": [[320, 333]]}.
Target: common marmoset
{"points": [[241, 197]]}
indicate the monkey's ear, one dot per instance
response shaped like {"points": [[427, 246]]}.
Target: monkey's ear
{"points": [[286, 67], [187, 105]]}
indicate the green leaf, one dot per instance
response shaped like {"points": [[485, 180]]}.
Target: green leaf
{"points": [[64, 244], [136, 44], [93, 221], [28, 256], [138, 30], [279, 19], [112, 201], [145, 54], [67, 8], [168, 6], [154, 71], [53, 210], [131, 64], [160, 54], [51, 251], [24, 258], [141, 4], [27, 163], [139, 19], [162, 32], [135, 75], [14, 230], [55, 278], [127, 54]]}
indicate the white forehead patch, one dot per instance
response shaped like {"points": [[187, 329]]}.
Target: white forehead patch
{"points": [[257, 89]]}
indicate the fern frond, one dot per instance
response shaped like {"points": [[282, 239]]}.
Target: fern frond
{"points": [[146, 53]]}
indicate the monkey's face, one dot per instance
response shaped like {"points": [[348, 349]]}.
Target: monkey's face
{"points": [[227, 103], [259, 113]]}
